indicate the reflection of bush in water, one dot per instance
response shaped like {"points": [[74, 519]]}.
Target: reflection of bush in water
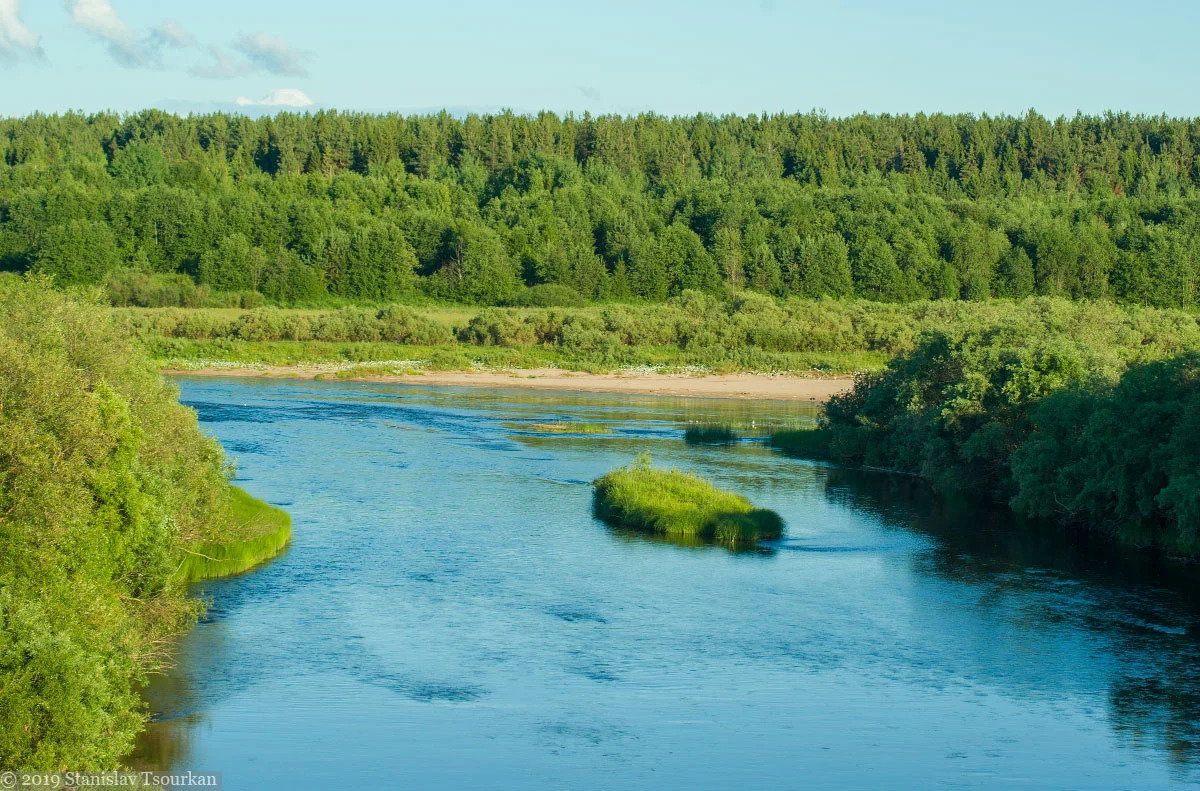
{"points": [[986, 546], [804, 443], [1161, 711], [976, 539], [165, 744], [630, 536]]}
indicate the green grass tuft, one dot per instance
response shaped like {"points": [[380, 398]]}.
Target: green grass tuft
{"points": [[260, 532], [674, 503]]}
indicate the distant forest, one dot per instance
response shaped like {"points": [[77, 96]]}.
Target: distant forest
{"points": [[335, 207]]}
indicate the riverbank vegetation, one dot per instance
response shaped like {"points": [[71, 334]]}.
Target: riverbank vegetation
{"points": [[252, 533], [743, 331], [674, 503], [1077, 424], [336, 208], [105, 482]]}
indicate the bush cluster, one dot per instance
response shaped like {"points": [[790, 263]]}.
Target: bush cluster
{"points": [[1090, 420], [746, 328], [105, 479]]}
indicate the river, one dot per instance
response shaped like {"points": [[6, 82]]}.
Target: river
{"points": [[451, 615]]}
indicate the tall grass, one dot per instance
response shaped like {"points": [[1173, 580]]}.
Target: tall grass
{"points": [[259, 533], [675, 503]]}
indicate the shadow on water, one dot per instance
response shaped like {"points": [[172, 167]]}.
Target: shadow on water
{"points": [[710, 435], [177, 710], [1146, 607], [167, 740], [629, 536]]}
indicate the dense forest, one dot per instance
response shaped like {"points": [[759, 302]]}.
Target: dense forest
{"points": [[332, 208]]}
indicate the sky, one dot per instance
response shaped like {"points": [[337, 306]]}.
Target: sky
{"points": [[667, 56]]}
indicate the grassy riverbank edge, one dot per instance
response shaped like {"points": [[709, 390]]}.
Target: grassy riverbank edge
{"points": [[262, 533]]}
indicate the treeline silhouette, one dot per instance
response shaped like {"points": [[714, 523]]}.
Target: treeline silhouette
{"points": [[334, 207]]}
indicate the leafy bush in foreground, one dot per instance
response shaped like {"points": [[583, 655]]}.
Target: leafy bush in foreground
{"points": [[104, 480]]}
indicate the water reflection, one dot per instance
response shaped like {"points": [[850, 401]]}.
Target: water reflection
{"points": [[1144, 607]]}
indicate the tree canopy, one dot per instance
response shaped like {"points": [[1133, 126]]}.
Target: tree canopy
{"points": [[312, 208]]}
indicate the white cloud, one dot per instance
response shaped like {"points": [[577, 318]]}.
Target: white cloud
{"points": [[280, 97], [171, 34], [98, 18], [221, 66], [16, 39], [272, 54]]}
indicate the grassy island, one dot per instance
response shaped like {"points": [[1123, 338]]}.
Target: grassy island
{"points": [[674, 503]]}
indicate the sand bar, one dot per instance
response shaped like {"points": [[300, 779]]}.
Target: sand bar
{"points": [[768, 386]]}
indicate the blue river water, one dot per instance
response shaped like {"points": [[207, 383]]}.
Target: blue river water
{"points": [[451, 615]]}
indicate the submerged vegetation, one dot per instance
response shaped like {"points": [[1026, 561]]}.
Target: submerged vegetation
{"points": [[675, 503], [566, 427], [709, 434], [105, 482]]}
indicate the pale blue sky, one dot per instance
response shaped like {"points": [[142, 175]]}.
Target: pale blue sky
{"points": [[669, 56]]}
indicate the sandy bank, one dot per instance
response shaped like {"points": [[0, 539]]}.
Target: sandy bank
{"points": [[783, 387]]}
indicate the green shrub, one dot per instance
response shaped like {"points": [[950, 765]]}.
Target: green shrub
{"points": [[1125, 458], [449, 360], [497, 327], [1073, 414], [399, 324], [549, 295], [131, 287]]}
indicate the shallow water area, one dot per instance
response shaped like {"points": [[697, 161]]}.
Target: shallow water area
{"points": [[451, 615]]}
